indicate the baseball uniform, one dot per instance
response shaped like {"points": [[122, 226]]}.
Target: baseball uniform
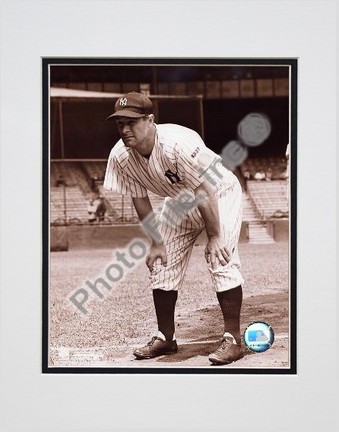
{"points": [[178, 164]]}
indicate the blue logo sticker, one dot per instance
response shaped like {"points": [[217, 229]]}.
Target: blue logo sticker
{"points": [[259, 336]]}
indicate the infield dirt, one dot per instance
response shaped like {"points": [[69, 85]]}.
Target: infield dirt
{"points": [[125, 319]]}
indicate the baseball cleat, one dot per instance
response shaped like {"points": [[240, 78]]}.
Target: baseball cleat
{"points": [[228, 352], [156, 347]]}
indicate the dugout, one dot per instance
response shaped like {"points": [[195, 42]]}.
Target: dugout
{"points": [[78, 126], [78, 129]]}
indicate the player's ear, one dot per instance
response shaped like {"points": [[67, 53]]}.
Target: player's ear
{"points": [[151, 118]]}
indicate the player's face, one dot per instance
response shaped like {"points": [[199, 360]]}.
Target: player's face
{"points": [[133, 131]]}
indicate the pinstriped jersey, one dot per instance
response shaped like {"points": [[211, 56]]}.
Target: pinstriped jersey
{"points": [[179, 161]]}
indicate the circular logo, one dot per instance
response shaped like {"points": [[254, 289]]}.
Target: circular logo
{"points": [[254, 129], [259, 336]]}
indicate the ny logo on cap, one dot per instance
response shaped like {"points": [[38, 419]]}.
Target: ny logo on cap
{"points": [[123, 101]]}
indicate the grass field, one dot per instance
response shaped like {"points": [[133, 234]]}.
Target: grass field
{"points": [[124, 318]]}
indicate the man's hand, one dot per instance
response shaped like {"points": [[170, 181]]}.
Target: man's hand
{"points": [[156, 251], [216, 250]]}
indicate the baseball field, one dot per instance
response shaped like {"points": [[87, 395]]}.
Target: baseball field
{"points": [[123, 318]]}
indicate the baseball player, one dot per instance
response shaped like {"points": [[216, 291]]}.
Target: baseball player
{"points": [[172, 161]]}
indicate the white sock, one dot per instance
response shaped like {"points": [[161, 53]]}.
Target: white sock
{"points": [[161, 336], [226, 334]]}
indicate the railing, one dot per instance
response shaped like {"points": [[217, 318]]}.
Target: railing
{"points": [[60, 221]]}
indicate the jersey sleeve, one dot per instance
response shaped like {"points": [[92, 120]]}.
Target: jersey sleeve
{"points": [[118, 181], [193, 159]]}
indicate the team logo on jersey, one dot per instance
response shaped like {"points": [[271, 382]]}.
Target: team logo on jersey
{"points": [[123, 101], [172, 177]]}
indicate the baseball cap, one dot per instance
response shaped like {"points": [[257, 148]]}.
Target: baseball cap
{"points": [[133, 104]]}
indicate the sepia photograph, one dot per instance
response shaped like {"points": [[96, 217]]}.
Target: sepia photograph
{"points": [[169, 203], [167, 216]]}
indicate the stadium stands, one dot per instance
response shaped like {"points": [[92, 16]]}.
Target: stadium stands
{"points": [[72, 173], [77, 178], [95, 172], [264, 199], [95, 168], [122, 209], [76, 205], [270, 168], [256, 228], [269, 198]]}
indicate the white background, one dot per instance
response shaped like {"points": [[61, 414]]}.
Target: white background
{"points": [[34, 402]]}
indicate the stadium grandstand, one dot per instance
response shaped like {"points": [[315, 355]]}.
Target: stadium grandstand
{"points": [[209, 100]]}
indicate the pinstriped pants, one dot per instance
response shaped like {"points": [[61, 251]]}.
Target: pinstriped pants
{"points": [[180, 233]]}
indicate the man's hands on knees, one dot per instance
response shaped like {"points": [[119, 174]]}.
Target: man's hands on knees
{"points": [[157, 250], [216, 252]]}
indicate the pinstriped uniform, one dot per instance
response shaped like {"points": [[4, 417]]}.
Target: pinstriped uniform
{"points": [[178, 164]]}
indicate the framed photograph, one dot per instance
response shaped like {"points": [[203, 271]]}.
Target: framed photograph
{"points": [[102, 305], [254, 82]]}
